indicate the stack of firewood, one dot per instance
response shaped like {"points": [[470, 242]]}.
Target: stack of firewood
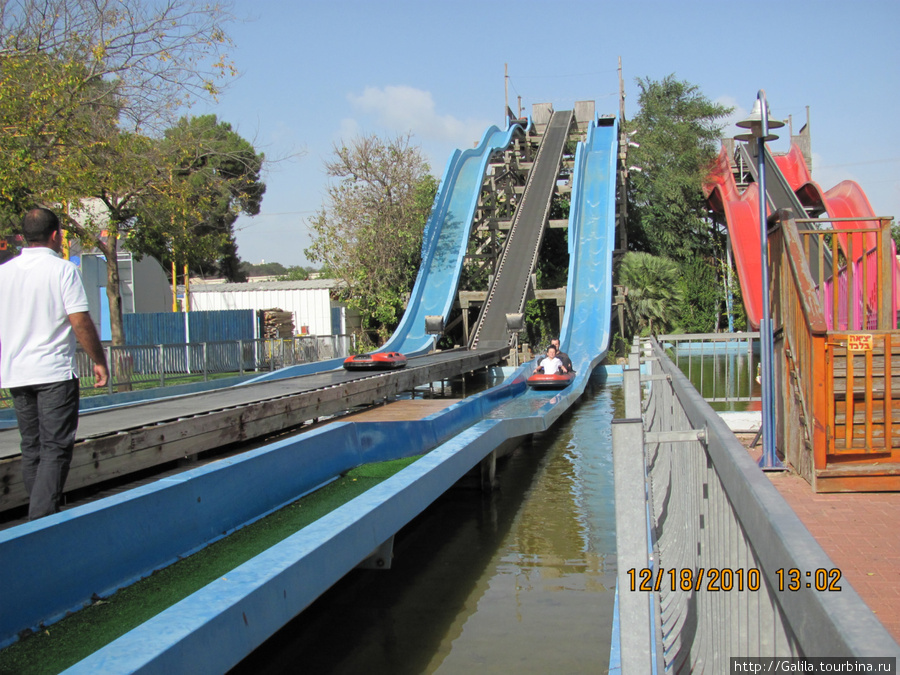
{"points": [[276, 323]]}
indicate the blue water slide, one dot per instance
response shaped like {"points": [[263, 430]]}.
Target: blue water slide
{"points": [[584, 334], [445, 242], [218, 625]]}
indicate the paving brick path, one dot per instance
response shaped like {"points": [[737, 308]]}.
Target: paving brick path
{"points": [[859, 531]]}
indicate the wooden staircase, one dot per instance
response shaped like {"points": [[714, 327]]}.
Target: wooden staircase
{"points": [[837, 391]]}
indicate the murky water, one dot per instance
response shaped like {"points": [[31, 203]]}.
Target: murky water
{"points": [[519, 581], [726, 380]]}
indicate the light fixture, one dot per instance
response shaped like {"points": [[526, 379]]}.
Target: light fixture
{"points": [[434, 326], [759, 124]]}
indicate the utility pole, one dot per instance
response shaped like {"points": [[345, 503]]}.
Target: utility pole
{"points": [[174, 281], [187, 289], [506, 92], [623, 167]]}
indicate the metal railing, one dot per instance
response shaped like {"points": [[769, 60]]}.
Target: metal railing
{"points": [[721, 366], [147, 366], [707, 546]]}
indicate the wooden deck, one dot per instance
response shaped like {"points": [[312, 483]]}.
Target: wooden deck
{"points": [[402, 411]]}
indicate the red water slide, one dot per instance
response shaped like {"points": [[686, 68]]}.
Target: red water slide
{"points": [[742, 216], [845, 200]]}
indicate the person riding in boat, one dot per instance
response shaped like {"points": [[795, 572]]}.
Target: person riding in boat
{"points": [[562, 356], [551, 364]]}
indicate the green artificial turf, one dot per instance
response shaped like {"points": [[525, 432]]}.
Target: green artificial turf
{"points": [[55, 648]]}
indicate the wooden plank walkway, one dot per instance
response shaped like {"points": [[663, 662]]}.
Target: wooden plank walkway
{"points": [[401, 411]]}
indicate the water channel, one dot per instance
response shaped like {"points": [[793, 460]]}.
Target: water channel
{"points": [[522, 580]]}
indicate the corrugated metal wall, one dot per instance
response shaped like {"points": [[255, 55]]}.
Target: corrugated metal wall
{"points": [[235, 324], [310, 307], [157, 328], [168, 328]]}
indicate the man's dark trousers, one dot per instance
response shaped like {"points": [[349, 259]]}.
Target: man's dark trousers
{"points": [[48, 418]]}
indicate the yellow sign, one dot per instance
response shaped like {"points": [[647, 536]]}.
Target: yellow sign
{"points": [[859, 343]]}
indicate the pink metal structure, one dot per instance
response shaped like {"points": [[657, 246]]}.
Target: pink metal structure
{"points": [[845, 200]]}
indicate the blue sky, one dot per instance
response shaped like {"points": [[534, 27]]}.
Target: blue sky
{"points": [[313, 73]]}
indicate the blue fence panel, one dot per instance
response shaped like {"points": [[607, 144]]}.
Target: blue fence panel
{"points": [[220, 326], [175, 328], [159, 328], [154, 329], [226, 324]]}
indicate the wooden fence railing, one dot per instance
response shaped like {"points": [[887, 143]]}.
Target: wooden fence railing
{"points": [[857, 284]]}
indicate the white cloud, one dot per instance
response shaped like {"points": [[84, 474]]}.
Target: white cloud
{"points": [[349, 128], [739, 113], [401, 109]]}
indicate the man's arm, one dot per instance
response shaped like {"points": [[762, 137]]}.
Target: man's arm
{"points": [[90, 342]]}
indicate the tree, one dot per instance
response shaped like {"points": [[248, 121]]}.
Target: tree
{"points": [[678, 130], [213, 176], [369, 232], [295, 273], [701, 296], [265, 269], [154, 56], [44, 142], [652, 295], [80, 84]]}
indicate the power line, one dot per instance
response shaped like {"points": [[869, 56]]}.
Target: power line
{"points": [[873, 161]]}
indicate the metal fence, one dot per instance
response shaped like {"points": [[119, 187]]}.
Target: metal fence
{"points": [[142, 367], [721, 366], [713, 563]]}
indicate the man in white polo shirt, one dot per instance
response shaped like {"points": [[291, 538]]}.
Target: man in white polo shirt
{"points": [[43, 309]]}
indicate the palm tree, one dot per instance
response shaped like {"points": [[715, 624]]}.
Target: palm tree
{"points": [[652, 294]]}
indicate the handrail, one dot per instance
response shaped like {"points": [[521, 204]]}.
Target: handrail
{"points": [[862, 277], [811, 306], [711, 508], [800, 314]]}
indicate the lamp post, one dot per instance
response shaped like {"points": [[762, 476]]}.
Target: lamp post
{"points": [[759, 124]]}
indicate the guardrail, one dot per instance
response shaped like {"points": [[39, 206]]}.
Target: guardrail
{"points": [[160, 365], [721, 366], [707, 546]]}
